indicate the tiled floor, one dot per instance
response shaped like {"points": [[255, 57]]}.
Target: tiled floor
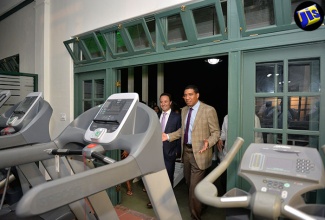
{"points": [[127, 214], [135, 207]]}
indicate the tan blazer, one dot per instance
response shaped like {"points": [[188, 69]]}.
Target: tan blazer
{"points": [[206, 126]]}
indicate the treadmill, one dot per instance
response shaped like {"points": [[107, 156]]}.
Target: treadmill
{"points": [[4, 96], [27, 122], [279, 176], [122, 122]]}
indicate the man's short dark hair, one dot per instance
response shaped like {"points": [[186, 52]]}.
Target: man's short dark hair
{"points": [[166, 94], [194, 87]]}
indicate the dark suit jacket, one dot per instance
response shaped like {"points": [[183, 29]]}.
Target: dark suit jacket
{"points": [[172, 150]]}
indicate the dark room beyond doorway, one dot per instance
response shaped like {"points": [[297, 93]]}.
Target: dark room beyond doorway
{"points": [[212, 81]]}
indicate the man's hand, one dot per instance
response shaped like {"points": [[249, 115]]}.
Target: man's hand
{"points": [[125, 154], [220, 145], [164, 137], [205, 146]]}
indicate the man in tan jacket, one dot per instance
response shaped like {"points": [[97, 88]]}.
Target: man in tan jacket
{"points": [[200, 131]]}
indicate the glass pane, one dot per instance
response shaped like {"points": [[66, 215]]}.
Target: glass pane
{"points": [[86, 105], [98, 102], [271, 138], [81, 54], [92, 47], [295, 3], [115, 41], [268, 110], [87, 88], [151, 24], [291, 113], [120, 45], [4, 66], [102, 42], [176, 32], [258, 135], [72, 45], [269, 77], [304, 75], [206, 21], [224, 11], [13, 64], [258, 13], [306, 113], [302, 114], [302, 140], [99, 88], [138, 36]]}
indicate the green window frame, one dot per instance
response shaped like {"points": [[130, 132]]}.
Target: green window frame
{"points": [[87, 48], [187, 24], [120, 39], [199, 23], [282, 19]]}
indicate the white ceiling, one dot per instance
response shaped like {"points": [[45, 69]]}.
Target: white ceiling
{"points": [[6, 5]]}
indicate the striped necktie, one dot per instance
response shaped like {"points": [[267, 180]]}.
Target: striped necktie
{"points": [[163, 123]]}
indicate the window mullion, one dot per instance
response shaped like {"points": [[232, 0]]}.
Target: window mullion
{"points": [[84, 50], [127, 40], [189, 25], [221, 19], [278, 12]]}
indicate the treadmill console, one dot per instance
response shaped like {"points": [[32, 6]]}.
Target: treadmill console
{"points": [[23, 108], [111, 117], [284, 170]]}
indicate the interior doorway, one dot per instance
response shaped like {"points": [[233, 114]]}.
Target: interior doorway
{"points": [[212, 81]]}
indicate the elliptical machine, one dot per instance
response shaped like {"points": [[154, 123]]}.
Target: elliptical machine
{"points": [[278, 174]]}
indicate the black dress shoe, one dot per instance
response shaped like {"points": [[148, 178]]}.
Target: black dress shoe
{"points": [[149, 205]]}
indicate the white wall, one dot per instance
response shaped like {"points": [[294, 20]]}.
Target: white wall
{"points": [[38, 31], [18, 37]]}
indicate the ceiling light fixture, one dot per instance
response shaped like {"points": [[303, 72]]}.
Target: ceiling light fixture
{"points": [[213, 61]]}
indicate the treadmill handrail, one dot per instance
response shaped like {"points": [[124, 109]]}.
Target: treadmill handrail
{"points": [[207, 192], [293, 213], [4, 96]]}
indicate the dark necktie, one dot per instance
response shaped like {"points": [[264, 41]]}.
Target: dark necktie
{"points": [[187, 126]]}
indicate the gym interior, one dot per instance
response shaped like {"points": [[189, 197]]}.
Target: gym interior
{"points": [[63, 62]]}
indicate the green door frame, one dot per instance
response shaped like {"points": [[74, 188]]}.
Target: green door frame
{"points": [[110, 77]]}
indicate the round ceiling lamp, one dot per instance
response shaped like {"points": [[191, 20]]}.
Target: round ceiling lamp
{"points": [[213, 61]]}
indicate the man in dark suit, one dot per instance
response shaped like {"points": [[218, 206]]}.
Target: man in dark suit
{"points": [[170, 122], [200, 131]]}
